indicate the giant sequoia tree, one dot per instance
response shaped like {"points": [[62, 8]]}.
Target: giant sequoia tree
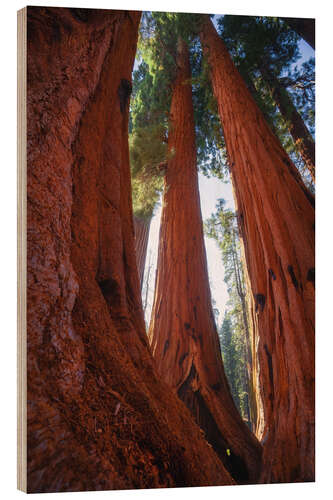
{"points": [[182, 331], [276, 219], [98, 415]]}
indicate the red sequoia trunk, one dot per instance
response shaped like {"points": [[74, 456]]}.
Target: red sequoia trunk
{"points": [[141, 229], [182, 332], [98, 416], [301, 136], [276, 217]]}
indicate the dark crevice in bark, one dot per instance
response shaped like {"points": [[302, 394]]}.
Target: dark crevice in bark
{"points": [[124, 92], [311, 275], [293, 276]]}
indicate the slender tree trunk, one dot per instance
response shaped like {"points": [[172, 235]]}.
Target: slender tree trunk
{"points": [[98, 415], [276, 219], [141, 231], [182, 331], [305, 28], [301, 136]]}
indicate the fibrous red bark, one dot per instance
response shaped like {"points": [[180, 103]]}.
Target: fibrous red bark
{"points": [[98, 416], [276, 218], [182, 332], [141, 229]]}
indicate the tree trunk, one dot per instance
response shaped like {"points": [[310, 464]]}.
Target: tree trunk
{"points": [[98, 415], [276, 219], [301, 136], [141, 230], [305, 28], [182, 331]]}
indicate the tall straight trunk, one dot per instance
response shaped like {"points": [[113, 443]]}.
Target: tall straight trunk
{"points": [[98, 415], [301, 136], [182, 331], [141, 231], [304, 27], [276, 219]]}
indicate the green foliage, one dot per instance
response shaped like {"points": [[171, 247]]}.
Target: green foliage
{"points": [[159, 32], [300, 83], [158, 41], [254, 41], [147, 152], [147, 141], [147, 105], [211, 150], [150, 104]]}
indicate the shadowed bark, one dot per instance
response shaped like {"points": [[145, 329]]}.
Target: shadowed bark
{"points": [[276, 220], [182, 331]]}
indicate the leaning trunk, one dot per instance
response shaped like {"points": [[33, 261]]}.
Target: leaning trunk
{"points": [[182, 332], [98, 416], [276, 219], [302, 138], [141, 230]]}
